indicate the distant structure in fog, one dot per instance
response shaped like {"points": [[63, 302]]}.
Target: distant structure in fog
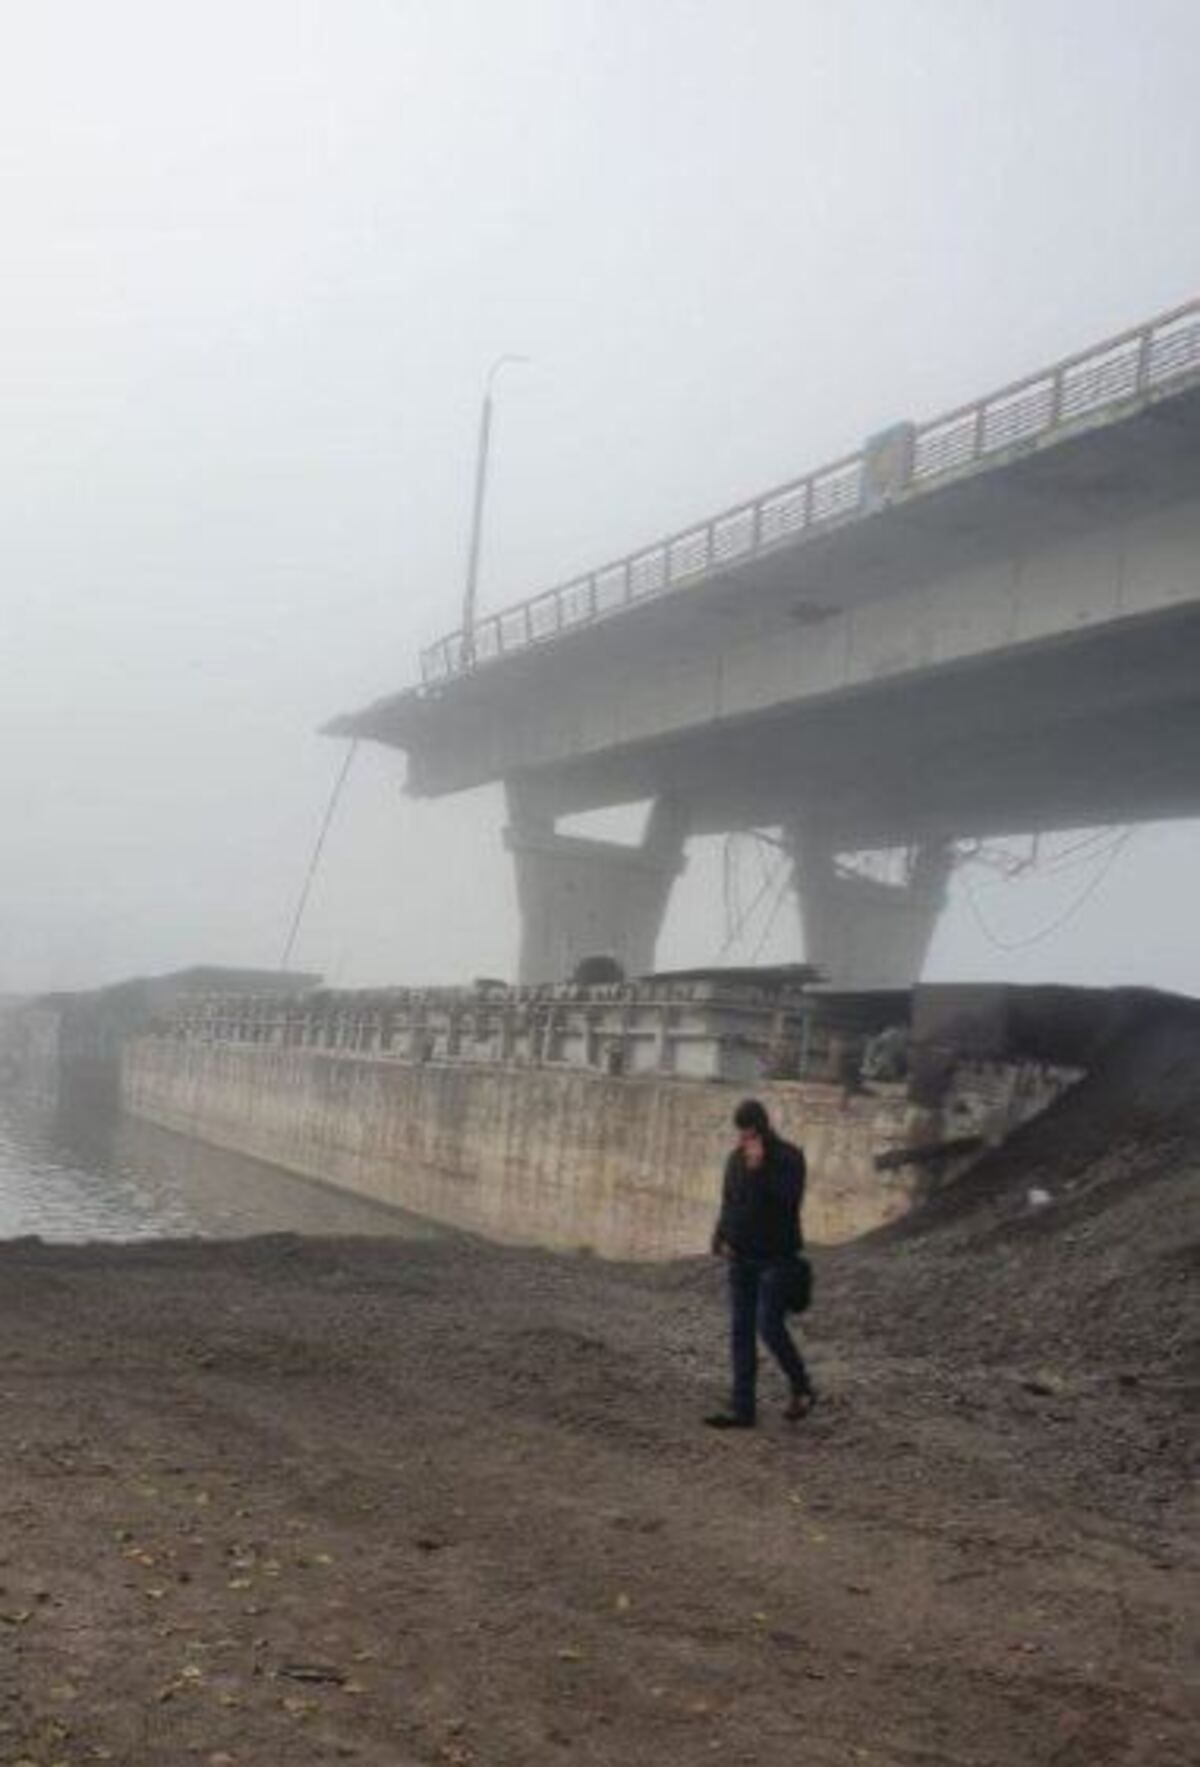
{"points": [[980, 625]]}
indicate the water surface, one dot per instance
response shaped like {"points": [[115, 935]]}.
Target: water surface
{"points": [[77, 1177]]}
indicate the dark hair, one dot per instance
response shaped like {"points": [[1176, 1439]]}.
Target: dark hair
{"points": [[750, 1114]]}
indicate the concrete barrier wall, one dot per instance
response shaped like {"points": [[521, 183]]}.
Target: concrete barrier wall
{"points": [[628, 1167]]}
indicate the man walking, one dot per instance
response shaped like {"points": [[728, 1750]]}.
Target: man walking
{"points": [[758, 1232]]}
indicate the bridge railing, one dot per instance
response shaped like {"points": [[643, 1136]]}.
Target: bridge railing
{"points": [[707, 1030], [1057, 399]]}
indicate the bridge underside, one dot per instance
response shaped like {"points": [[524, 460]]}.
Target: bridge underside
{"points": [[1011, 649], [1094, 730], [1100, 730]]}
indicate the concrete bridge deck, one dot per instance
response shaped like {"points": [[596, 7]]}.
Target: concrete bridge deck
{"points": [[987, 623]]}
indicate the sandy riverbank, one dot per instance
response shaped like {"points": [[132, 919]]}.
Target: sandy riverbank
{"points": [[308, 1501], [299, 1501]]}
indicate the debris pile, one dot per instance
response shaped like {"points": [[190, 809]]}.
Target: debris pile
{"points": [[1075, 1242]]}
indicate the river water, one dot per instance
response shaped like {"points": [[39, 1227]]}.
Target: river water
{"points": [[72, 1179]]}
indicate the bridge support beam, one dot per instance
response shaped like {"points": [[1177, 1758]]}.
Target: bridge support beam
{"points": [[862, 932], [579, 897]]}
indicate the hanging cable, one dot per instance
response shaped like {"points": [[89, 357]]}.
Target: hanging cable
{"points": [[735, 882], [1008, 866], [1083, 853], [730, 903], [736, 932], [1093, 884], [785, 884], [319, 848], [764, 849]]}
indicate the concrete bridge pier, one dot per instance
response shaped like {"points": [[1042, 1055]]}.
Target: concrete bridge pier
{"points": [[579, 897], [860, 931], [985, 625]]}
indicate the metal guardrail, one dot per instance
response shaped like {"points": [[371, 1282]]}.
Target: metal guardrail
{"points": [[1054, 400]]}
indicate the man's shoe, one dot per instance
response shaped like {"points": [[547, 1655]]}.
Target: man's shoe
{"points": [[729, 1420], [799, 1405]]}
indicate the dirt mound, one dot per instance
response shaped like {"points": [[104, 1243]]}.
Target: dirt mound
{"points": [[1076, 1243], [1142, 1091]]}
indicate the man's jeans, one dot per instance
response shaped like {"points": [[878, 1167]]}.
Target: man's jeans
{"points": [[758, 1305]]}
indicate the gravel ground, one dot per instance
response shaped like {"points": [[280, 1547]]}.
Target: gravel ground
{"points": [[308, 1500]]}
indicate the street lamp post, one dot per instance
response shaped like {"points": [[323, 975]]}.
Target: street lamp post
{"points": [[482, 459]]}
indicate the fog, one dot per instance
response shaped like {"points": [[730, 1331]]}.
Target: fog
{"points": [[258, 258]]}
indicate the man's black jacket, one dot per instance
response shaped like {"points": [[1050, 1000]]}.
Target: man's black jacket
{"points": [[760, 1210]]}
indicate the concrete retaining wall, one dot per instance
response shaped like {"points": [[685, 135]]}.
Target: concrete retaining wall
{"points": [[628, 1167]]}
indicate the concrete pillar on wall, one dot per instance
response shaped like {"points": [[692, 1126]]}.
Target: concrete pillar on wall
{"points": [[579, 897], [860, 931]]}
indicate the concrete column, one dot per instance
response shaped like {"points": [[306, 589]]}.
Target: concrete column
{"points": [[860, 932], [586, 898]]}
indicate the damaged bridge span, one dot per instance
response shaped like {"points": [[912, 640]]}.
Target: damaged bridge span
{"points": [[982, 625]]}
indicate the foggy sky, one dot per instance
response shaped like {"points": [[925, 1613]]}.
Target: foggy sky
{"points": [[257, 257]]}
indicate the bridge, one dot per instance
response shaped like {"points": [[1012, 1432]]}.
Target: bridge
{"points": [[984, 624]]}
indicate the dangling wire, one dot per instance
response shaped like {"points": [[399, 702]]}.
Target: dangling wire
{"points": [[314, 862], [740, 928], [786, 879], [1106, 862]]}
